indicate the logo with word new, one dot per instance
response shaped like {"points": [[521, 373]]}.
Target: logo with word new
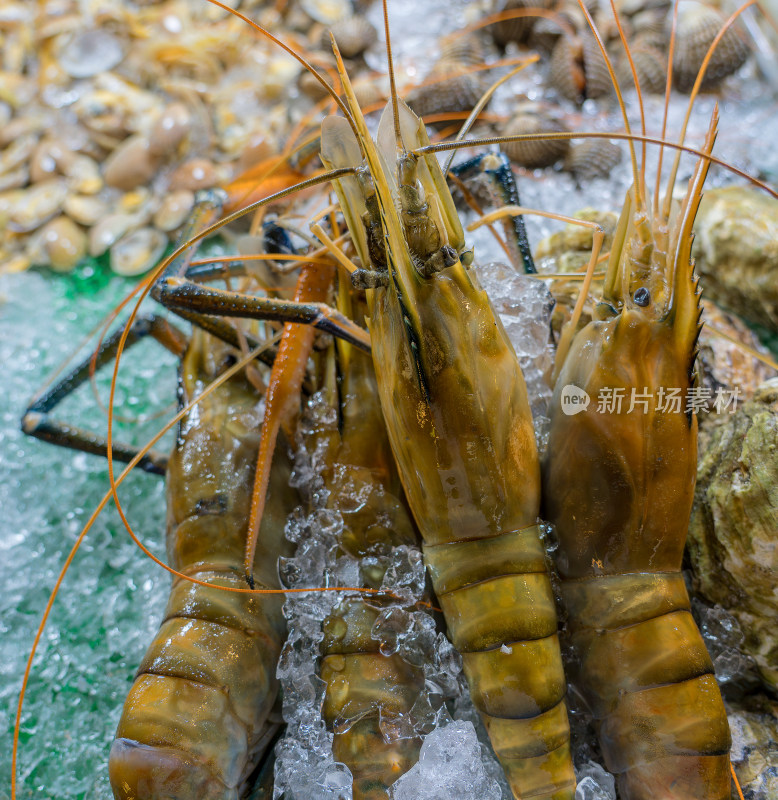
{"points": [[574, 400]]}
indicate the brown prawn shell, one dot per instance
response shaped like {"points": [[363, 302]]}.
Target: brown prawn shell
{"points": [[594, 158], [353, 36], [578, 70], [698, 25], [537, 153]]}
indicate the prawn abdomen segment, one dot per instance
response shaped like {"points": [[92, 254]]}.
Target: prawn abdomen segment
{"points": [[195, 723], [644, 671], [499, 605]]}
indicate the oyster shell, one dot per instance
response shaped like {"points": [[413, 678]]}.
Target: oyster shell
{"points": [[732, 531], [736, 251]]}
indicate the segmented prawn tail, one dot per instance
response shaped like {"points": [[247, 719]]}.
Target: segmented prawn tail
{"points": [[456, 409], [618, 485], [196, 723], [364, 687]]}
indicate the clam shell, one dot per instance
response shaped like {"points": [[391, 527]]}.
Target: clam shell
{"points": [[517, 29], [17, 152], [64, 243], [91, 52], [138, 252], [577, 69], [197, 173], [594, 158], [49, 159], [108, 231], [327, 11], [460, 92], [38, 204], [650, 65], [353, 35], [535, 154], [84, 209], [174, 210], [83, 174], [368, 92], [170, 129], [698, 25], [466, 51], [131, 164], [15, 179]]}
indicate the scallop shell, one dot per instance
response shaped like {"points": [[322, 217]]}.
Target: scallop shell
{"points": [[594, 158], [352, 34], [578, 70], [538, 153], [698, 25]]}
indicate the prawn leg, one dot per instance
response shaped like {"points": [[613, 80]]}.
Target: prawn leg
{"points": [[492, 175], [37, 420]]}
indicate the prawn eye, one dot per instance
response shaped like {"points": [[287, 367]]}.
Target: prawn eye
{"points": [[642, 297]]}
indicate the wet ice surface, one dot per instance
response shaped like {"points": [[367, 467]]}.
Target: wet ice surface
{"points": [[525, 304], [723, 638], [594, 783], [449, 766], [112, 599]]}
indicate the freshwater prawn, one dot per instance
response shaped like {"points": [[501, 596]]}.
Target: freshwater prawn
{"points": [[434, 260]]}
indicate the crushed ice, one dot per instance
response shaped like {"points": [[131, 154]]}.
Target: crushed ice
{"points": [[449, 766]]}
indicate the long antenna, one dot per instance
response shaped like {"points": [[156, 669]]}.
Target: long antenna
{"points": [[392, 85], [693, 96], [636, 79], [617, 89]]}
